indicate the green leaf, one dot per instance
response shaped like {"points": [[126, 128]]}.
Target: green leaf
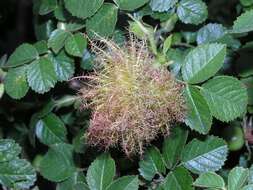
{"points": [[167, 44], [51, 130], [15, 82], [1, 90], [44, 29], [63, 65], [103, 22], [9, 150], [25, 53], [46, 109], [101, 172], [41, 75], [179, 179], [151, 164], [210, 33], [83, 8], [190, 37], [130, 5], [2, 73], [205, 156], [162, 5], [140, 30], [198, 114], [231, 42], [58, 165], [57, 39], [47, 6], [17, 174], [79, 142], [203, 62], [74, 25], [125, 183], [76, 44], [87, 62], [246, 2], [41, 47], [226, 96], [81, 186], [192, 11], [237, 177], [177, 56], [250, 181], [248, 82], [66, 101], [247, 187], [119, 37], [71, 182], [61, 14], [243, 23], [210, 180], [173, 145], [3, 60]]}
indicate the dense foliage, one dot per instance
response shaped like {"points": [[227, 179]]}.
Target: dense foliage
{"points": [[204, 49]]}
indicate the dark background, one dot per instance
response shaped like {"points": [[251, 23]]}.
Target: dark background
{"points": [[15, 24]]}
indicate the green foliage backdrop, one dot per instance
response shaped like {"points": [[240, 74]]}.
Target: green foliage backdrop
{"points": [[206, 44]]}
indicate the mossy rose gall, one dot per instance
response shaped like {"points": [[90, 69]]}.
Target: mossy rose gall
{"points": [[132, 99]]}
